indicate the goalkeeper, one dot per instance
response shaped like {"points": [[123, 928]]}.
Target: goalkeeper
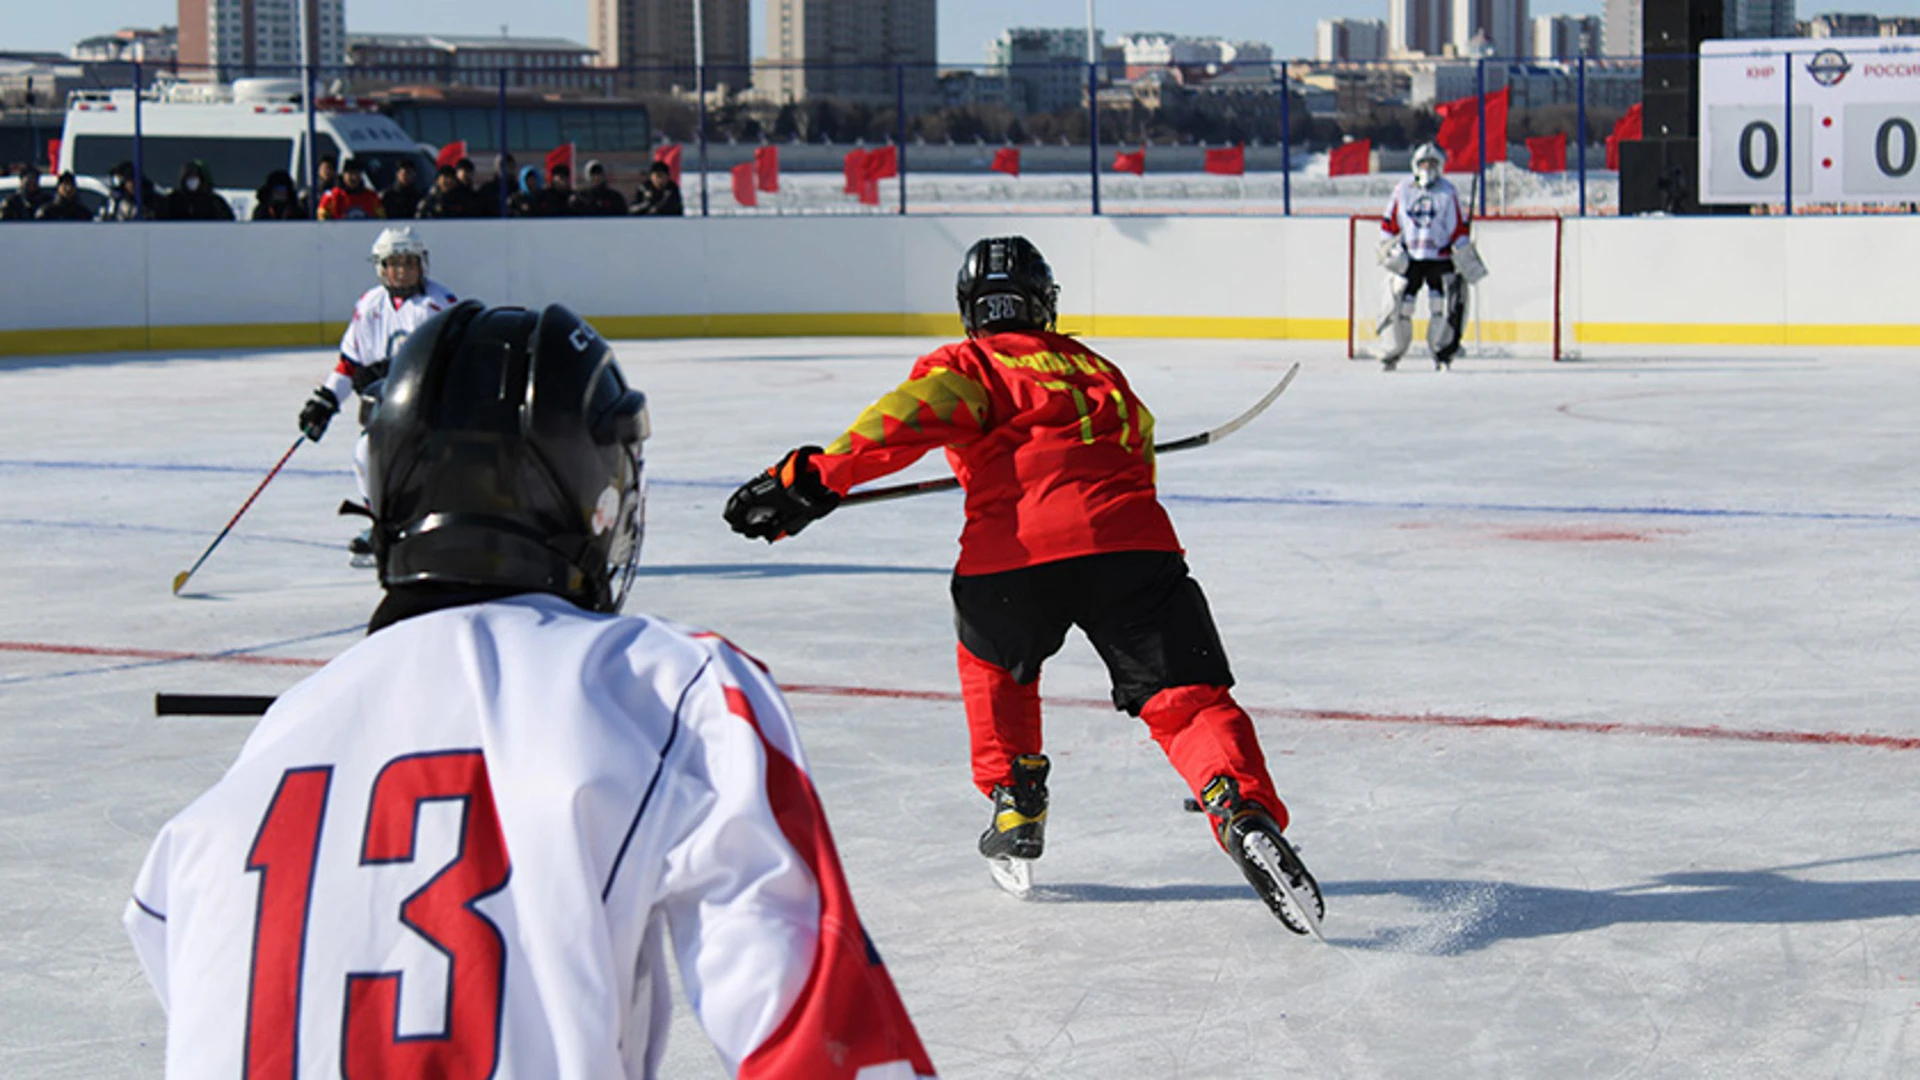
{"points": [[1426, 243]]}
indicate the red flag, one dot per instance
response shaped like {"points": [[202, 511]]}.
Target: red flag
{"points": [[1007, 160], [882, 163], [870, 191], [1547, 153], [1460, 130], [53, 155], [766, 168], [1626, 130], [558, 156], [1135, 163], [743, 184], [1351, 159], [669, 155], [853, 169], [451, 153], [1231, 161]]}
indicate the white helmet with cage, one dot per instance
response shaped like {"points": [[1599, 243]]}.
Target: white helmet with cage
{"points": [[400, 259], [1428, 164]]}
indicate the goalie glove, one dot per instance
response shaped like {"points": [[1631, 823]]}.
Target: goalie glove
{"points": [[1466, 261], [318, 412], [781, 501], [1393, 256]]}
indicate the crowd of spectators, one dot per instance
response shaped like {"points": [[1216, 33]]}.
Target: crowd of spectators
{"points": [[345, 194]]}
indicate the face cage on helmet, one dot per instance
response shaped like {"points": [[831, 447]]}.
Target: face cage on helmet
{"points": [[380, 270], [630, 529]]}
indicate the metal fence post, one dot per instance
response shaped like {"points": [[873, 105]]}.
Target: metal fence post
{"points": [[1786, 134], [139, 152], [1480, 103], [1286, 142], [1580, 132], [313, 139], [1093, 126], [900, 129], [500, 158]]}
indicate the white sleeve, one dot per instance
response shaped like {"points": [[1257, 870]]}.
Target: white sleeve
{"points": [[145, 917]]}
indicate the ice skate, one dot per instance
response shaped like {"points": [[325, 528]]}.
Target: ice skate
{"points": [[1018, 833], [1389, 365], [1249, 834], [360, 551]]}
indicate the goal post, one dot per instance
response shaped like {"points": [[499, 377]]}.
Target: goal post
{"points": [[1515, 311]]}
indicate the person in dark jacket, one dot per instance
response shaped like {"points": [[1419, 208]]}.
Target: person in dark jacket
{"points": [[659, 196], [597, 199], [65, 204], [278, 199], [448, 198], [402, 197], [24, 203], [524, 201], [505, 175], [123, 205], [194, 199], [556, 198]]}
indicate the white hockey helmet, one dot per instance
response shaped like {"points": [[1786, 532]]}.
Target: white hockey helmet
{"points": [[1428, 164], [399, 240]]}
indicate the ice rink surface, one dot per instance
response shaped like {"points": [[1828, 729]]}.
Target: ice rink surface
{"points": [[1591, 687]]}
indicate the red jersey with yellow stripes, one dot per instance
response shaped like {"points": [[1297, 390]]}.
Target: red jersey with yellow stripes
{"points": [[1054, 450]]}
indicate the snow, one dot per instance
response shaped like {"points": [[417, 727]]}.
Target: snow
{"points": [[1589, 685]]}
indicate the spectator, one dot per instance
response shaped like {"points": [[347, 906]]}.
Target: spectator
{"points": [[597, 199], [65, 204], [499, 191], [353, 200], [194, 199], [555, 200], [276, 199], [23, 204], [328, 176], [402, 197], [523, 201], [122, 204], [659, 196], [448, 198]]}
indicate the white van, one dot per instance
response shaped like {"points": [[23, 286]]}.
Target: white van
{"points": [[242, 132]]}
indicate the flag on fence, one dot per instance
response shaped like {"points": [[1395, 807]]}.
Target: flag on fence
{"points": [[53, 155], [669, 155], [558, 156], [743, 184], [883, 163], [451, 153], [853, 169], [766, 168], [1135, 163], [1230, 161], [1625, 130], [1007, 160], [1460, 130], [1351, 159], [1547, 153]]}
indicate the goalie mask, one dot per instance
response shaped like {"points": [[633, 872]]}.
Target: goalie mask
{"points": [[1005, 284], [507, 453], [400, 260], [1428, 164]]}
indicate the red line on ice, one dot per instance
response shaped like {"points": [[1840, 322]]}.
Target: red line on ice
{"points": [[1709, 732]]}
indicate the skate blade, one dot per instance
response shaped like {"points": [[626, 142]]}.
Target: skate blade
{"points": [[361, 562], [1013, 875], [1298, 904]]}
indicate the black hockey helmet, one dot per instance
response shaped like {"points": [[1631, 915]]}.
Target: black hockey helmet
{"points": [[1006, 284], [506, 453]]}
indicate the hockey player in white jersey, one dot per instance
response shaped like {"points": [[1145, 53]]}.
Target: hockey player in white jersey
{"points": [[465, 847], [1426, 243], [382, 319]]}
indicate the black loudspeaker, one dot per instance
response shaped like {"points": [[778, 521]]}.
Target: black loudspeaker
{"points": [[1639, 177], [1660, 175], [1679, 26], [1670, 114], [1659, 73]]}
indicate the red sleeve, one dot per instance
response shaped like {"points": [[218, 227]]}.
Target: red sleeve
{"points": [[1390, 222], [942, 403]]}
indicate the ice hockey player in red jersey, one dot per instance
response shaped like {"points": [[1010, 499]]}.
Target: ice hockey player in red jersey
{"points": [[465, 847], [1064, 528], [382, 319]]}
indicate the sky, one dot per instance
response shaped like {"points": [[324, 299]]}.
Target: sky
{"points": [[965, 25]]}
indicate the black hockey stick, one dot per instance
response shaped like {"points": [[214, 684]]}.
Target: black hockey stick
{"points": [[947, 483], [210, 704], [180, 578]]}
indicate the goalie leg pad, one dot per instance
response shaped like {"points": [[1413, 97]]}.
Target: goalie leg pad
{"points": [[1395, 327], [1447, 317]]}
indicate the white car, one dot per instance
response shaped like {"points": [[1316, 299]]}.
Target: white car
{"points": [[93, 193]]}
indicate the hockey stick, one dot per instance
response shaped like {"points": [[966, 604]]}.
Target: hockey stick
{"points": [[947, 483], [180, 579], [210, 704]]}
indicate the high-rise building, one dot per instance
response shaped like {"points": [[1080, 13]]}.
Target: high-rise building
{"points": [[1760, 18], [652, 41], [1623, 35], [229, 39], [1565, 37], [1419, 27], [1840, 25], [1045, 69], [861, 49], [1337, 40], [1489, 28]]}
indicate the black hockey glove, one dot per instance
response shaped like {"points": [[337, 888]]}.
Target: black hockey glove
{"points": [[781, 501], [365, 375], [318, 412]]}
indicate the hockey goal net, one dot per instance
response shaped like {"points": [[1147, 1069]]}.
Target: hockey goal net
{"points": [[1513, 312]]}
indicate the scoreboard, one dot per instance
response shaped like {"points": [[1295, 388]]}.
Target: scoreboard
{"points": [[1837, 118]]}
